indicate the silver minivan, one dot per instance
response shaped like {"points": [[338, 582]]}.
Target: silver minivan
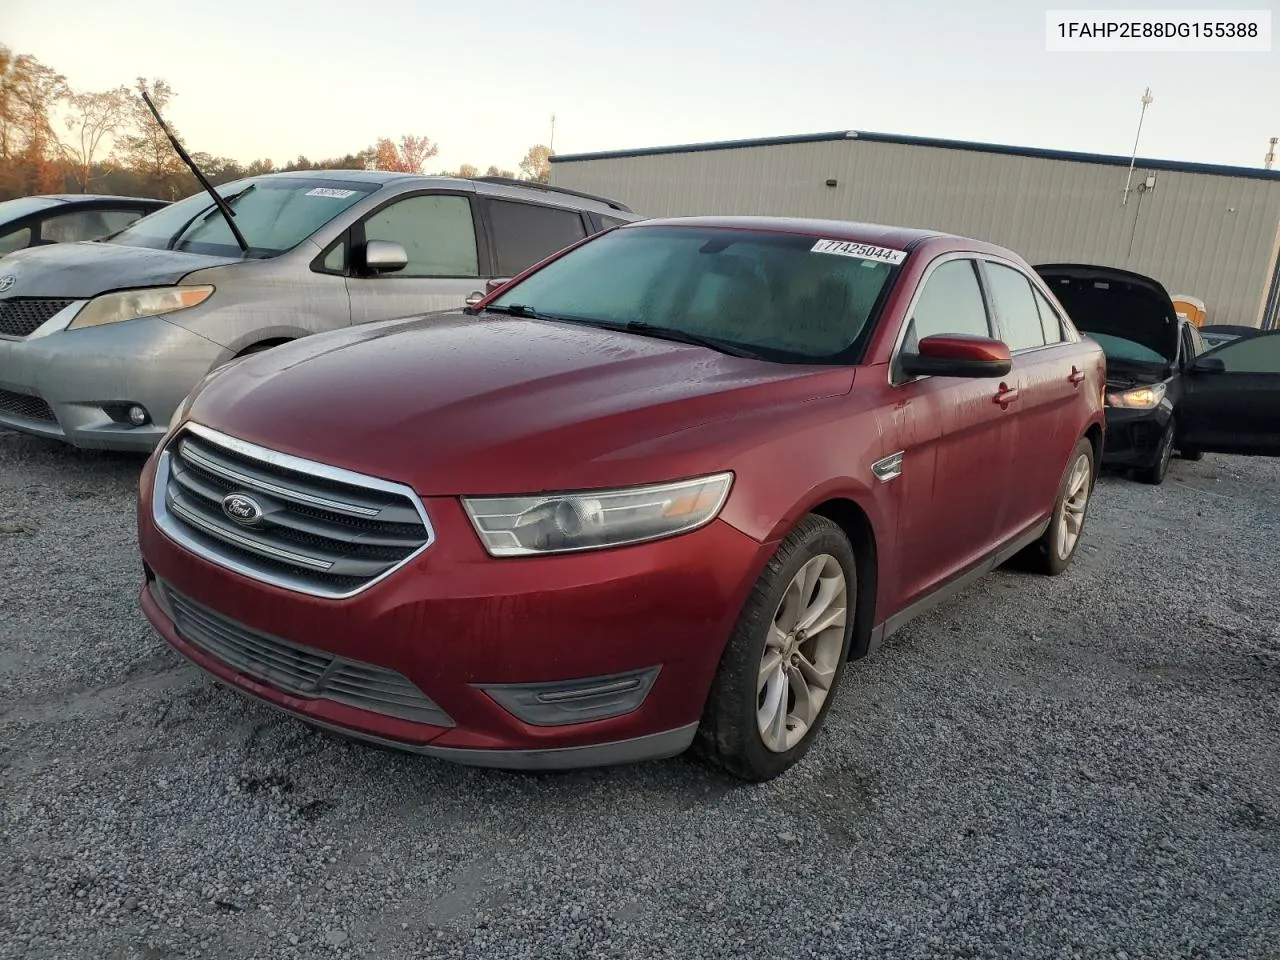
{"points": [[101, 341]]}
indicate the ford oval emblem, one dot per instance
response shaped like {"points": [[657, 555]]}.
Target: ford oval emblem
{"points": [[6, 283], [245, 511]]}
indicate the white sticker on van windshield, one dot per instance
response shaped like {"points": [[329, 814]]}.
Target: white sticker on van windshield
{"points": [[862, 251], [330, 192]]}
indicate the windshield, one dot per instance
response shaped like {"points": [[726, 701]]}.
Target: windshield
{"points": [[769, 293], [275, 215], [1118, 348], [13, 209]]}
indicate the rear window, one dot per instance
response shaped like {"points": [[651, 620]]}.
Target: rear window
{"points": [[779, 295], [274, 214]]}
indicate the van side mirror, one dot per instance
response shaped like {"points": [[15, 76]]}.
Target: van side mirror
{"points": [[384, 256], [957, 355]]}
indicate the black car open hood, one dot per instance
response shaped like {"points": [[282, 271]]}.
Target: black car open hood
{"points": [[1116, 302]]}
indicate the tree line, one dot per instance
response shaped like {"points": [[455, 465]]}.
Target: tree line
{"points": [[55, 139]]}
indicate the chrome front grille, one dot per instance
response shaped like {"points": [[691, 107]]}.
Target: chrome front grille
{"points": [[22, 316], [25, 406], [300, 670], [305, 526]]}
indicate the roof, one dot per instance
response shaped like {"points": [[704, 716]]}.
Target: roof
{"points": [[901, 238], [1179, 166], [95, 197]]}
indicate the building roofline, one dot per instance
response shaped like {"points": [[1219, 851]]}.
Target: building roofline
{"points": [[1072, 156]]}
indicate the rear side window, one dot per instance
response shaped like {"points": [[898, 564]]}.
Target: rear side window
{"points": [[14, 240], [951, 302], [437, 232], [1050, 321], [1016, 306], [525, 233], [607, 222]]}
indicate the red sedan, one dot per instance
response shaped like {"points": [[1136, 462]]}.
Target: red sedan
{"points": [[652, 494]]}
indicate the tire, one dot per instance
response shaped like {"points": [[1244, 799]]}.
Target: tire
{"points": [[730, 734], [1156, 473], [1046, 555]]}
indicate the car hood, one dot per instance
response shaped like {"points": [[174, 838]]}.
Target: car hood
{"points": [[74, 271], [454, 404], [1117, 303]]}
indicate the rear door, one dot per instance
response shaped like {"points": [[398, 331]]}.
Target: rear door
{"points": [[442, 238], [1048, 374], [525, 233], [1231, 399]]}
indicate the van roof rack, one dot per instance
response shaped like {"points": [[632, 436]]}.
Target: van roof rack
{"points": [[536, 185]]}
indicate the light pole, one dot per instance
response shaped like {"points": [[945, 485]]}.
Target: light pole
{"points": [[1146, 102]]}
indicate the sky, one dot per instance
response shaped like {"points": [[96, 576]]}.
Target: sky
{"points": [[279, 78]]}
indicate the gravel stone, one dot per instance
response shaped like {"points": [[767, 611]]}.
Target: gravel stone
{"points": [[1082, 766]]}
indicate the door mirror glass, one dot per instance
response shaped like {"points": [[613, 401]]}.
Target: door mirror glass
{"points": [[384, 256], [958, 355]]}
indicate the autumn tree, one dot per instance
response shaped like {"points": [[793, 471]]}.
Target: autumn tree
{"points": [[93, 119], [144, 146], [493, 171], [408, 156], [29, 94], [467, 171], [536, 164]]}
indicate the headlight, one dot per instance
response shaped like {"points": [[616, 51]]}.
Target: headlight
{"points": [[131, 304], [1139, 398], [564, 522]]}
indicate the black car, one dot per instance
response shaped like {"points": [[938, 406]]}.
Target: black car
{"points": [[67, 217], [1162, 377]]}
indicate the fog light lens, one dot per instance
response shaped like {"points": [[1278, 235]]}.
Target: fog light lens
{"points": [[138, 415]]}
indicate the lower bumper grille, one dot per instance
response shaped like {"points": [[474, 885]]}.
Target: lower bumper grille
{"points": [[25, 406], [300, 670]]}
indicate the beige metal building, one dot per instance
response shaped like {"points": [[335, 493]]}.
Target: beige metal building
{"points": [[1204, 231]]}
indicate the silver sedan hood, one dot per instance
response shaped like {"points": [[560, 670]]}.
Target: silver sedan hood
{"points": [[75, 271]]}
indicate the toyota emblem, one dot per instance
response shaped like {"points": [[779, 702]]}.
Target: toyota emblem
{"points": [[244, 510], [6, 283]]}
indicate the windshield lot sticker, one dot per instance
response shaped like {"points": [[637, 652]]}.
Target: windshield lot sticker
{"points": [[862, 251], [330, 192]]}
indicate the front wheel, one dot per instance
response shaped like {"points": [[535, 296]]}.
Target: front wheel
{"points": [[780, 670]]}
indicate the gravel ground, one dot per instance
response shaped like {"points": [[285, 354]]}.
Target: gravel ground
{"points": [[1085, 766]]}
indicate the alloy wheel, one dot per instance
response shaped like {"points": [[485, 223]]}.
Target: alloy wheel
{"points": [[802, 653], [1075, 500]]}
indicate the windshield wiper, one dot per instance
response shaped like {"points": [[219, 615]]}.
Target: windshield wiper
{"points": [[203, 214], [514, 310], [223, 207], [683, 336]]}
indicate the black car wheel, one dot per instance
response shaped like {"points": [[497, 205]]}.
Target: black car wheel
{"points": [[1156, 473]]}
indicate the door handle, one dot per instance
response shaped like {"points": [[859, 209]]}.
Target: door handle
{"points": [[1076, 375], [1005, 395]]}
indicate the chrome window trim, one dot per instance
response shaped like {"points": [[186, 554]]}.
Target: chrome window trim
{"points": [[178, 532]]}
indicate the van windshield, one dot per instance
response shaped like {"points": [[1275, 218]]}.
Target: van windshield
{"points": [[275, 214]]}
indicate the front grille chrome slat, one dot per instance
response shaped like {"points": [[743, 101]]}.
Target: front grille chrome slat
{"points": [[314, 529], [20, 317], [299, 670]]}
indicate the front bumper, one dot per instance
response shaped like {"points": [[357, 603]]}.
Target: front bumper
{"points": [[1133, 436], [480, 637], [77, 385]]}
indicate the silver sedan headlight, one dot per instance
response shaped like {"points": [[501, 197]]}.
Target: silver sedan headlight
{"points": [[597, 519], [146, 302]]}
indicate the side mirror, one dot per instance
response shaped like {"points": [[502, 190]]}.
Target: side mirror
{"points": [[957, 355], [384, 256], [1209, 365], [491, 286]]}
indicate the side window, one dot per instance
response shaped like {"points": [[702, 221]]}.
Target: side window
{"points": [[1198, 346], [1016, 307], [436, 231], [1050, 322], [85, 225], [14, 240], [607, 222], [335, 261], [524, 233], [951, 302], [1260, 354]]}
